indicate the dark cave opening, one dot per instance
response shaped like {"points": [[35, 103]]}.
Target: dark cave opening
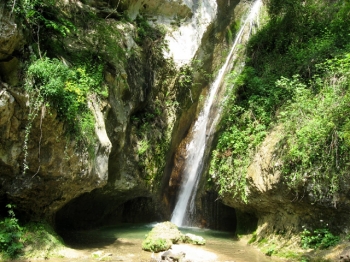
{"points": [[92, 210]]}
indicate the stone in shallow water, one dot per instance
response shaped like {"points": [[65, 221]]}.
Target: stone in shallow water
{"points": [[161, 237], [193, 239], [173, 256]]}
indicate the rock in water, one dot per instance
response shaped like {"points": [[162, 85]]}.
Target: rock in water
{"points": [[172, 256], [161, 237], [193, 239]]}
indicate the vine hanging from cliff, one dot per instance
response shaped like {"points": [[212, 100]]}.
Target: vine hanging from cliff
{"points": [[66, 90]]}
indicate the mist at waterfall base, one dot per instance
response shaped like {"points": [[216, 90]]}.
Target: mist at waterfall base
{"points": [[201, 133]]}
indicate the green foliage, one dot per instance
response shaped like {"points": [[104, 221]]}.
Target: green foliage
{"points": [[10, 235], [193, 239], [253, 238], [316, 145], [42, 14], [146, 32], [296, 256], [318, 239], [104, 39], [66, 89], [301, 39], [33, 240], [40, 240], [151, 124], [271, 250], [153, 139], [156, 244], [232, 31], [186, 76], [143, 147]]}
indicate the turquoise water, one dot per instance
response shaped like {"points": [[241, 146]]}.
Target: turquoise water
{"points": [[123, 243]]}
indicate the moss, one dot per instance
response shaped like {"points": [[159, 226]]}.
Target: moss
{"points": [[193, 239], [38, 240], [41, 241], [156, 244], [163, 235], [253, 238]]}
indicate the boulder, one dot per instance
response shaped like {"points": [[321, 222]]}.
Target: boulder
{"points": [[193, 239], [161, 237], [172, 256]]}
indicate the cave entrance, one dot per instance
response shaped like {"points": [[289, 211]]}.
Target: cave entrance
{"points": [[211, 213], [93, 210]]}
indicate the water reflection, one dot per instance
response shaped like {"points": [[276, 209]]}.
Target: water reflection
{"points": [[123, 243]]}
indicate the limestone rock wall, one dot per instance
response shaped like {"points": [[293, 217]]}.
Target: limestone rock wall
{"points": [[57, 171], [11, 38], [41, 170], [277, 208]]}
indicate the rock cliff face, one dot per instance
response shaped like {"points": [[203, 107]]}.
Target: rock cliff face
{"points": [[138, 127], [57, 170], [276, 208]]}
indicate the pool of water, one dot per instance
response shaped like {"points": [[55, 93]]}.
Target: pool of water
{"points": [[123, 243]]}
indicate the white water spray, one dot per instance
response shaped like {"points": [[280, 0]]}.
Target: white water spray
{"points": [[201, 132]]}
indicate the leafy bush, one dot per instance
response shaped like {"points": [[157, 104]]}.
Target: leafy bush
{"points": [[316, 146], [41, 14], [10, 235], [66, 89], [298, 38], [318, 238], [147, 32]]}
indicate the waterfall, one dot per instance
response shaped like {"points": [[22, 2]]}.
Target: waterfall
{"points": [[202, 130]]}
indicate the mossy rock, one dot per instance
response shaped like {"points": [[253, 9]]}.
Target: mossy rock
{"points": [[156, 244], [193, 239], [161, 237]]}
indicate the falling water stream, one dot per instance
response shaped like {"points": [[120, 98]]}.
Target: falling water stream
{"points": [[203, 128]]}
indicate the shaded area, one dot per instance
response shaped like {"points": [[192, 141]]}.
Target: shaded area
{"points": [[113, 243], [247, 223], [90, 239], [212, 213], [93, 210]]}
